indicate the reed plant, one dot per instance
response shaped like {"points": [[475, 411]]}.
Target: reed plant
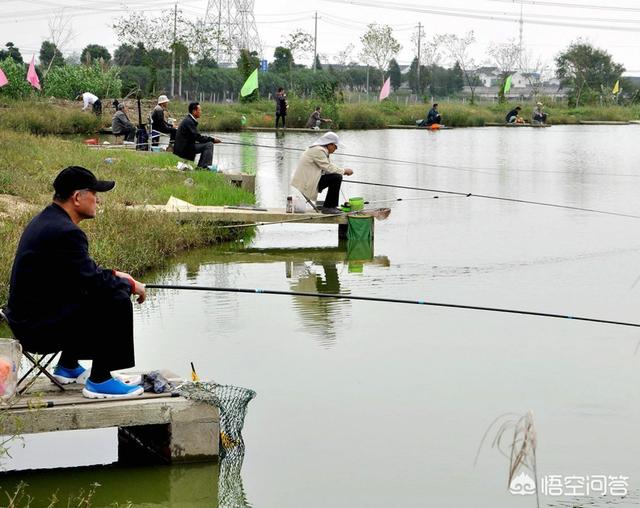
{"points": [[42, 117], [516, 439]]}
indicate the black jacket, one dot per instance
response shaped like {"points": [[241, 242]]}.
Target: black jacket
{"points": [[186, 138], [513, 112], [158, 123], [53, 273]]}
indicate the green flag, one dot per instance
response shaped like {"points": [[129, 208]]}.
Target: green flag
{"points": [[507, 85], [250, 84]]}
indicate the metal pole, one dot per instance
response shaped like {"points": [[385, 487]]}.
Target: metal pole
{"points": [[315, 43], [419, 44], [173, 51]]}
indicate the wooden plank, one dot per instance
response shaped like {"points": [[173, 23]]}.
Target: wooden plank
{"points": [[288, 129], [442, 127], [499, 124], [234, 215]]}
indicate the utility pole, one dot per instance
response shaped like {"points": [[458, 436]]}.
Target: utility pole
{"points": [[419, 45], [315, 43], [521, 27], [173, 52]]}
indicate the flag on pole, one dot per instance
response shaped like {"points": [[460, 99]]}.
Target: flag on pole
{"points": [[3, 79], [250, 84], [616, 87], [32, 76], [386, 89], [507, 85]]}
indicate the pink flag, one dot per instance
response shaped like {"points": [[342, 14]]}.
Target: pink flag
{"points": [[32, 76], [3, 79], [386, 89]]}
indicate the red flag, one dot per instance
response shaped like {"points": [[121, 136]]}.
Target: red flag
{"points": [[32, 76], [386, 89], [3, 79]]}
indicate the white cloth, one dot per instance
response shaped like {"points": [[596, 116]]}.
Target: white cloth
{"points": [[312, 165], [88, 99]]}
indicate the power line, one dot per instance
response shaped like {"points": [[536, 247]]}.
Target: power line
{"points": [[461, 13], [570, 6]]}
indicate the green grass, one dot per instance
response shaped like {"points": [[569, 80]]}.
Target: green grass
{"points": [[65, 117], [120, 238]]}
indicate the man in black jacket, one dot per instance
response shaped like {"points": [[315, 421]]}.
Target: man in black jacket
{"points": [[158, 122], [189, 141], [60, 300]]}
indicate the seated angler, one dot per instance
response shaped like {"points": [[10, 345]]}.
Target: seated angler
{"points": [[190, 142], [121, 125], [158, 121], [315, 172], [61, 300]]}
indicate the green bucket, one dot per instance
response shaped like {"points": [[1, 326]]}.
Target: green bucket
{"points": [[356, 204]]}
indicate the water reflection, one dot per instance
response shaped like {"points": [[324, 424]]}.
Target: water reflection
{"points": [[194, 485]]}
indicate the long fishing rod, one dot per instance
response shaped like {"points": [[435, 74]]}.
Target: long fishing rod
{"points": [[389, 300], [487, 170], [497, 198]]}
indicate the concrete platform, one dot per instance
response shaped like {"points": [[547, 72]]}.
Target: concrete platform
{"points": [[230, 215], [185, 430], [601, 122]]}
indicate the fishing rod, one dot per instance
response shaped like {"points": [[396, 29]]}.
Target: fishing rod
{"points": [[497, 198], [486, 170], [37, 404], [389, 300]]}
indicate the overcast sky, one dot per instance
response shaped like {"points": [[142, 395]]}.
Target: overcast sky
{"points": [[549, 26]]}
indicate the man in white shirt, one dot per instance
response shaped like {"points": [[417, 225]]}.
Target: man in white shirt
{"points": [[315, 172], [89, 99]]}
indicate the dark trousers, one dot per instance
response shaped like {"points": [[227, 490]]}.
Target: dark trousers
{"points": [[100, 330], [128, 133], [332, 181], [206, 154], [284, 118], [97, 108]]}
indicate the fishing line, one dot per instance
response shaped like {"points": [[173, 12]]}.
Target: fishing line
{"points": [[390, 300], [497, 198], [485, 170]]}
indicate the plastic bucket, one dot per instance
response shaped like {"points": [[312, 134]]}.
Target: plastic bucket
{"points": [[10, 356], [356, 204]]}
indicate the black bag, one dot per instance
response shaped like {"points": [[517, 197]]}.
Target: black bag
{"points": [[142, 136]]}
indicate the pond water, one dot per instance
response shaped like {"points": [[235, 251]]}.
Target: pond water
{"points": [[380, 404]]}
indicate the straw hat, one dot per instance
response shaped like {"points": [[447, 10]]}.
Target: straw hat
{"points": [[539, 104], [162, 99]]}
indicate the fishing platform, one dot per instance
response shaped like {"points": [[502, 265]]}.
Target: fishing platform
{"points": [[505, 124], [418, 127], [174, 428], [284, 129]]}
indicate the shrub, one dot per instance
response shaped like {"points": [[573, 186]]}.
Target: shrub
{"points": [[68, 81], [18, 86]]}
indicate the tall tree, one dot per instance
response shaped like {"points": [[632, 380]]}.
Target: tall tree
{"points": [[458, 49], [583, 68], [247, 63], [93, 53], [11, 52], [395, 74], [506, 57], [50, 56], [379, 46], [129, 54], [282, 60]]}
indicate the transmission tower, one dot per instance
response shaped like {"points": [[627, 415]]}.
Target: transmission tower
{"points": [[235, 23]]}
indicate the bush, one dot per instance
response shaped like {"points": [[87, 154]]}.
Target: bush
{"points": [[362, 116], [18, 87], [68, 81]]}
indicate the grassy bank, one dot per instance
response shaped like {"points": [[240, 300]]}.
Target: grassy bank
{"points": [[128, 240], [62, 117]]}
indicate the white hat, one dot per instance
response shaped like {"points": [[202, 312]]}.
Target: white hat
{"points": [[539, 104], [162, 99], [327, 139]]}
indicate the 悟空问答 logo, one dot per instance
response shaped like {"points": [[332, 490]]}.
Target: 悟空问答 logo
{"points": [[522, 485]]}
